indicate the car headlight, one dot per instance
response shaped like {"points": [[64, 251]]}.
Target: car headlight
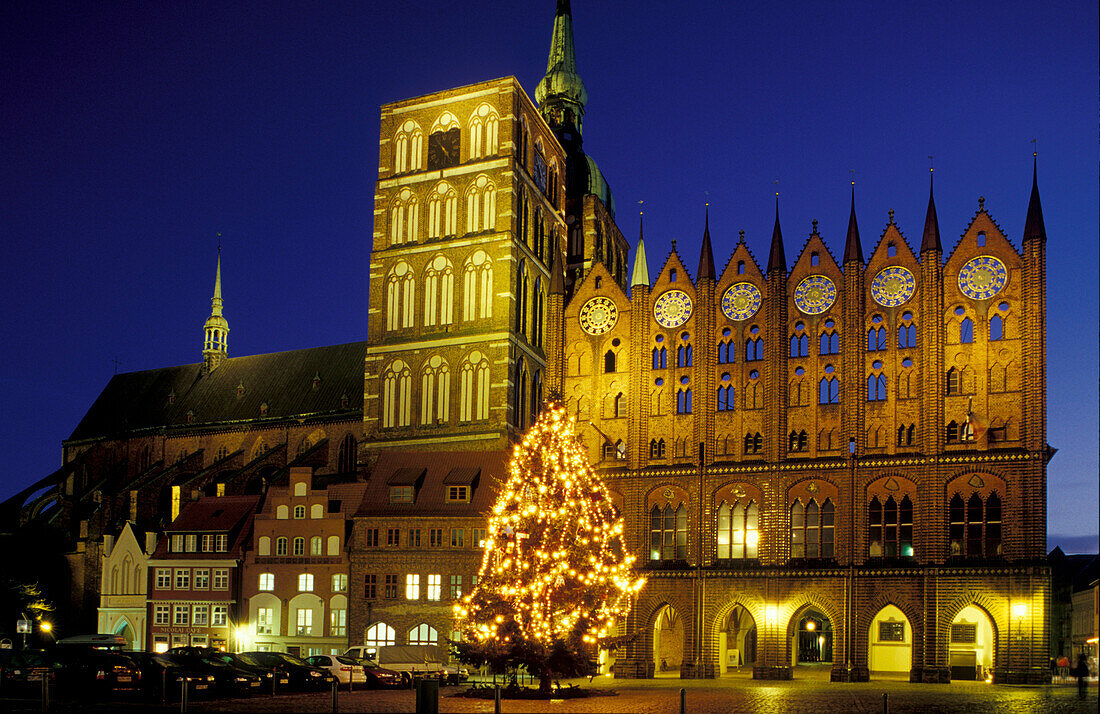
{"points": [[315, 674], [242, 679]]}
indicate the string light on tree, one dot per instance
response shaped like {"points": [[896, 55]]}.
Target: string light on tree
{"points": [[554, 576]]}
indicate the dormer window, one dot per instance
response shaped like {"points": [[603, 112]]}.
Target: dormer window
{"points": [[316, 382], [458, 494], [240, 390], [172, 397], [190, 417], [263, 409], [344, 400], [401, 494]]}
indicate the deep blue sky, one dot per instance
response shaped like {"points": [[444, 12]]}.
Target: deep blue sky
{"points": [[130, 133]]}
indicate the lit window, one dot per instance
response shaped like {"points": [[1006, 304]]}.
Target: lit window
{"points": [[267, 581], [207, 542], [423, 634], [668, 533], [316, 546], [338, 622], [221, 542], [412, 586], [456, 587], [738, 530], [339, 582], [305, 622], [192, 542], [265, 621], [379, 635], [219, 616], [812, 529], [305, 583], [435, 587]]}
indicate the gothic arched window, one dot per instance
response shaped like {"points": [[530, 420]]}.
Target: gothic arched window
{"points": [[481, 205], [435, 392], [443, 211], [408, 148], [738, 530], [477, 287], [668, 533], [473, 403], [397, 395], [439, 288], [812, 529]]}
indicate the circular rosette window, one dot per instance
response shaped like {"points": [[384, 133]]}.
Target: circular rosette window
{"points": [[672, 309], [598, 315], [983, 277], [741, 301], [893, 286], [815, 294]]}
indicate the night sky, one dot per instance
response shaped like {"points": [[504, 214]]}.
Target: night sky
{"points": [[132, 133]]}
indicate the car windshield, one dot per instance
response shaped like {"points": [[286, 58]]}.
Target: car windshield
{"points": [[346, 660], [249, 660], [290, 659]]}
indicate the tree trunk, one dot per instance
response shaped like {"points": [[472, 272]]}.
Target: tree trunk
{"points": [[546, 681]]}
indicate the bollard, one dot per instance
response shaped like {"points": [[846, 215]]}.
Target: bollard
{"points": [[274, 679], [885, 703], [335, 701], [496, 699], [427, 696], [683, 700], [45, 693], [183, 694], [163, 686]]}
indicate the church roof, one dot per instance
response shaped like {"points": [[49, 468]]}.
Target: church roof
{"points": [[311, 381]]}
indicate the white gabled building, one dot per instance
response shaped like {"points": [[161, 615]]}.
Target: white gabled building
{"points": [[124, 578]]}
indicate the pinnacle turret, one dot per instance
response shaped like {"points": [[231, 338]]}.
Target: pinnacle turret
{"points": [[931, 239], [777, 259], [1034, 228], [706, 256], [853, 249], [216, 330], [557, 275], [640, 274]]}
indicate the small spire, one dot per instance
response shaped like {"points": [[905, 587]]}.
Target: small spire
{"points": [[216, 330], [853, 250], [741, 237], [640, 274], [1034, 228], [560, 94], [706, 257], [777, 259], [931, 239], [557, 275]]}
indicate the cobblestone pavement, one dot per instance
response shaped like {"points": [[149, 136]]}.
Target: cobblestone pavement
{"points": [[659, 696], [713, 697]]}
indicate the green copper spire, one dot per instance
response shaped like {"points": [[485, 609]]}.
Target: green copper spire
{"points": [[216, 330], [560, 94], [640, 274]]}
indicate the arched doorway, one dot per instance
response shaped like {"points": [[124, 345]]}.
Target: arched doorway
{"points": [[123, 628], [737, 642], [971, 649], [890, 644], [668, 642], [811, 643]]}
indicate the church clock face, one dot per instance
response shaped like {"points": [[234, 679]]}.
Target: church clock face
{"points": [[741, 301], [540, 172], [598, 315], [893, 286], [983, 277], [672, 309], [815, 294]]}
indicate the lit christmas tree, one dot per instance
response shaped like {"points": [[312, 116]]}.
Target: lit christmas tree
{"points": [[554, 578]]}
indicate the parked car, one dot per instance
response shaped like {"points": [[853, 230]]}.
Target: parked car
{"points": [[229, 680], [98, 672], [162, 677], [302, 675], [411, 661], [378, 677], [23, 669], [345, 669], [270, 676]]}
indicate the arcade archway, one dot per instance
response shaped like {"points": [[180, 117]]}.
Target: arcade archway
{"points": [[971, 645], [737, 642], [890, 644], [668, 642], [811, 643]]}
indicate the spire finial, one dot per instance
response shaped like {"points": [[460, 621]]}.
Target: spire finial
{"points": [[741, 236], [931, 238], [1034, 227], [853, 247], [560, 94], [814, 231], [640, 274], [706, 256], [777, 257], [891, 213], [981, 203], [216, 329]]}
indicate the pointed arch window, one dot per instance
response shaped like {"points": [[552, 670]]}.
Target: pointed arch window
{"points": [[966, 331], [974, 526], [521, 298], [800, 343], [996, 328], [668, 533], [754, 349], [537, 316], [954, 383], [754, 443], [812, 526], [906, 434], [443, 211], [408, 148], [609, 361], [876, 386], [657, 448], [660, 358], [435, 392], [726, 352], [828, 390], [474, 388], [477, 287], [683, 399], [907, 331], [404, 218], [397, 395], [536, 396], [345, 461], [890, 528], [484, 126], [798, 441], [439, 284], [400, 297], [876, 335], [830, 340], [481, 205], [519, 407], [738, 530], [727, 398]]}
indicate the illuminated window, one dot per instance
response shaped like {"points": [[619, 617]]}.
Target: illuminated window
{"points": [[974, 526], [267, 581], [890, 528], [477, 287], [668, 533], [481, 205], [435, 586], [265, 621], [812, 529], [738, 530], [423, 634], [412, 586], [443, 211], [340, 582], [404, 218], [219, 616], [379, 635], [305, 622], [200, 616], [397, 395], [456, 587], [305, 583], [316, 545], [338, 622], [408, 146], [474, 391], [435, 392]]}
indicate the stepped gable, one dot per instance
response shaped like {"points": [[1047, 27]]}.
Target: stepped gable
{"points": [[980, 215], [283, 380]]}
